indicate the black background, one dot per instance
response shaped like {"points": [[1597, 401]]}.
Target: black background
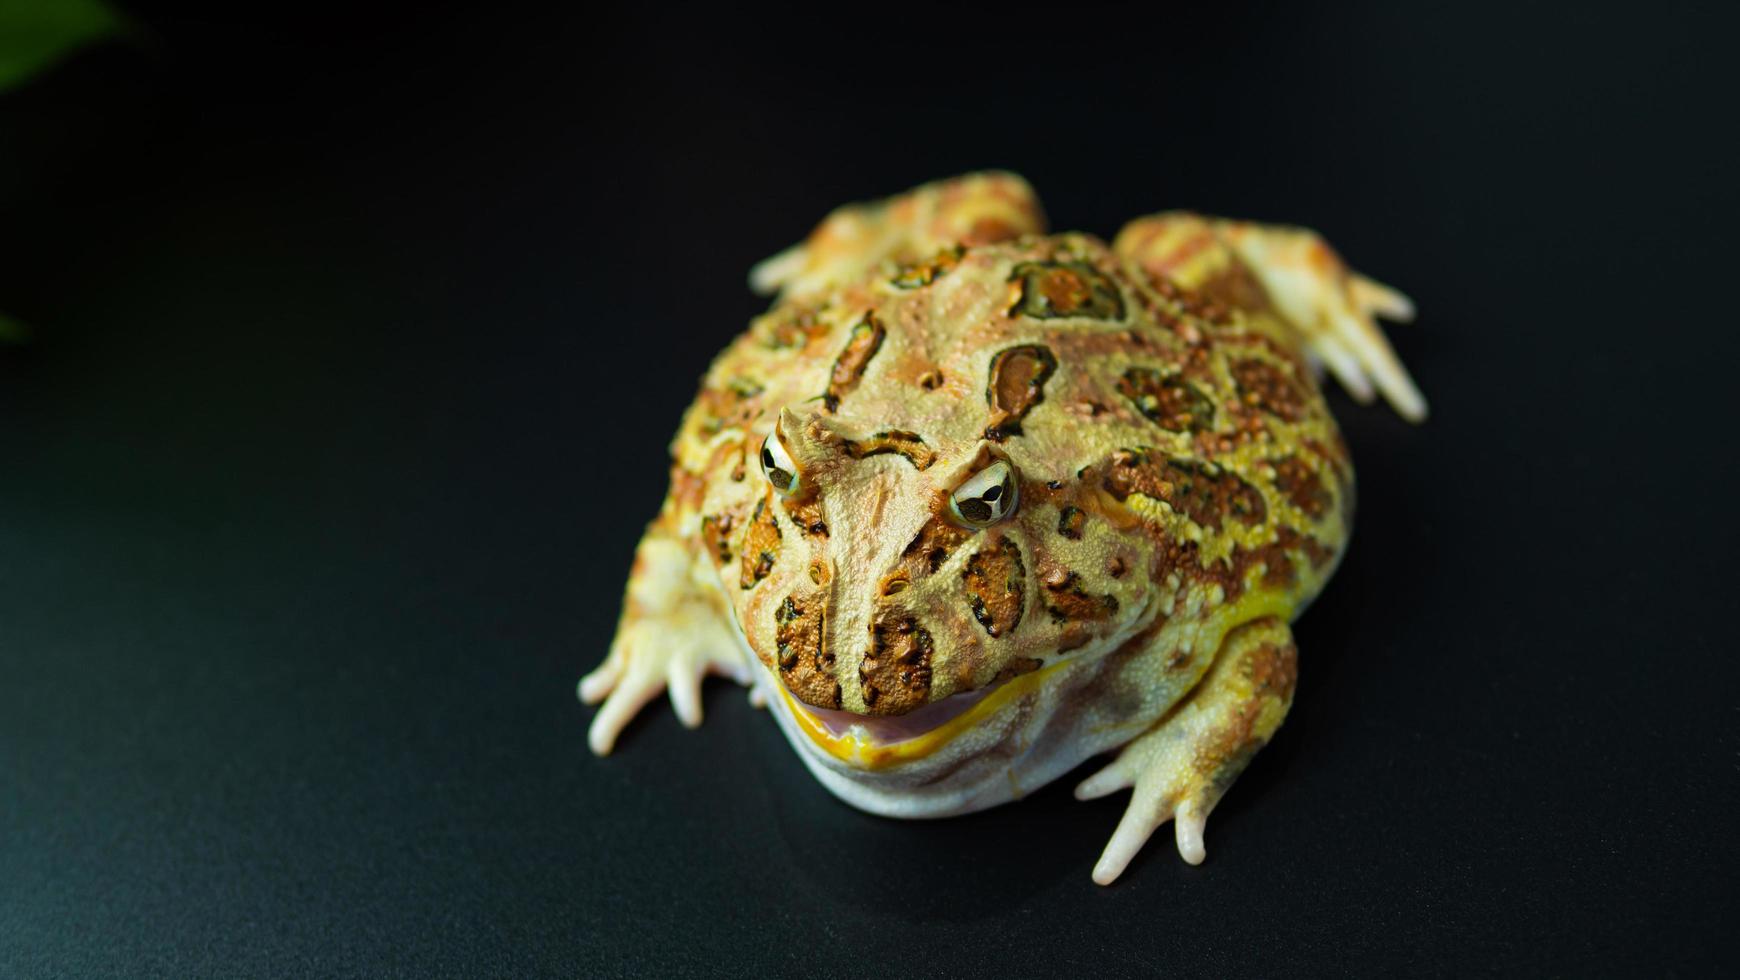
{"points": [[361, 337]]}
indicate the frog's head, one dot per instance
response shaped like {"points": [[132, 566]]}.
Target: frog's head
{"points": [[915, 592]]}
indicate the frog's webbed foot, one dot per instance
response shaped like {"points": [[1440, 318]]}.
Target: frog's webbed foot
{"points": [[672, 635], [1180, 768]]}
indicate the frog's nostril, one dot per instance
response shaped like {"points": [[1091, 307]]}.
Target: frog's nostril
{"points": [[895, 584]]}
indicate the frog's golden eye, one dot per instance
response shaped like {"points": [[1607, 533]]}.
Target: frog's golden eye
{"points": [[776, 464], [987, 496]]}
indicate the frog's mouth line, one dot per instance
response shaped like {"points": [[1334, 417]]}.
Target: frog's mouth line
{"points": [[888, 729], [870, 742]]}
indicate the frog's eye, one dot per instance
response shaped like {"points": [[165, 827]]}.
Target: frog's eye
{"points": [[776, 464], [987, 496]]}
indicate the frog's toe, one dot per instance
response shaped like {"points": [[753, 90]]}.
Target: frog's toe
{"points": [[1115, 776], [630, 692], [1146, 812], [1188, 822], [594, 687], [684, 677], [1373, 298], [1158, 797], [684, 683]]}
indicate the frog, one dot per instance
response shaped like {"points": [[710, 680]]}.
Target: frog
{"points": [[973, 503]]}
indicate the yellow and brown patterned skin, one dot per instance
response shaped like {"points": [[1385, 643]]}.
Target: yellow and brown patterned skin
{"points": [[1167, 490]]}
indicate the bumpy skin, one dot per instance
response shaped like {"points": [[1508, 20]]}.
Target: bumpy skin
{"points": [[1181, 494]]}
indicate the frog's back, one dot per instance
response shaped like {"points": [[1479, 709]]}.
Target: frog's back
{"points": [[1184, 416]]}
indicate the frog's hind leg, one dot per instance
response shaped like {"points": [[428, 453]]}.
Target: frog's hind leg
{"points": [[673, 633], [1295, 275], [916, 227], [1181, 767]]}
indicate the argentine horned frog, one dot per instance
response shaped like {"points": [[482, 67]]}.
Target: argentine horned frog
{"points": [[972, 503]]}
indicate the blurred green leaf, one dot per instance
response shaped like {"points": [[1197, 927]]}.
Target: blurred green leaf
{"points": [[36, 33], [11, 331]]}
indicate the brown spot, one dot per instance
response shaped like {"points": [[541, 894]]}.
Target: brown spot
{"points": [[909, 445], [1070, 522], [1052, 290], [1337, 451], [788, 327], [1017, 383], [1067, 601], [716, 533], [1015, 668], [916, 274], [1170, 402], [1236, 288], [1233, 287], [1213, 303], [933, 544], [996, 579], [687, 489], [760, 544], [1265, 386], [991, 229], [1280, 570], [854, 359], [1200, 490], [1318, 553], [806, 669], [895, 673], [735, 403], [806, 516], [1273, 670], [1295, 478], [1073, 636]]}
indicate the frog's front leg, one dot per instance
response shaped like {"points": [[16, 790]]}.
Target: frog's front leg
{"points": [[674, 631], [1181, 767], [1331, 310]]}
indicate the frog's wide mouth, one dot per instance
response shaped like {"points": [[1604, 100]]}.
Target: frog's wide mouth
{"points": [[889, 729], [878, 742]]}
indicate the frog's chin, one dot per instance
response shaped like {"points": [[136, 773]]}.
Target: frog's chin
{"points": [[967, 752]]}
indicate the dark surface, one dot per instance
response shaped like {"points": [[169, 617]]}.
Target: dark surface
{"points": [[361, 339]]}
